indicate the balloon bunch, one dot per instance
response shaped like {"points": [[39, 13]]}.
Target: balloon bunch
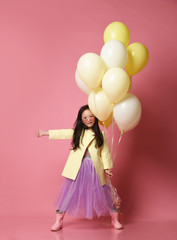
{"points": [[106, 78]]}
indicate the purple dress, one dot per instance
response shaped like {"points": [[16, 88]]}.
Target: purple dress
{"points": [[85, 197]]}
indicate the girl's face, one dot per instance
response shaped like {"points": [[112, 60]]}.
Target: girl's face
{"points": [[88, 118]]}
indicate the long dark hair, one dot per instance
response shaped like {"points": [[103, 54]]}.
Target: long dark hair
{"points": [[80, 127]]}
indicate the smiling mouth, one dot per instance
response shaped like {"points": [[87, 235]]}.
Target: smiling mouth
{"points": [[89, 123]]}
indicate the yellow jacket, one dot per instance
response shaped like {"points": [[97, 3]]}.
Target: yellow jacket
{"points": [[101, 157]]}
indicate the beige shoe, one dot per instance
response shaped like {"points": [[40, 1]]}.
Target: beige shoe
{"points": [[58, 223], [114, 220]]}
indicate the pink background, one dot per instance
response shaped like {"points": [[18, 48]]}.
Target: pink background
{"points": [[40, 44]]}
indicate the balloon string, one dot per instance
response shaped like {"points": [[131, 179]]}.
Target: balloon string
{"points": [[120, 138], [115, 197], [105, 130], [112, 140]]}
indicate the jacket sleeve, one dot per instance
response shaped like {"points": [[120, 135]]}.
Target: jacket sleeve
{"points": [[61, 134], [105, 154]]}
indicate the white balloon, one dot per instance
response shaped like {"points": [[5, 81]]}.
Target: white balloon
{"points": [[81, 84], [114, 54], [127, 113]]}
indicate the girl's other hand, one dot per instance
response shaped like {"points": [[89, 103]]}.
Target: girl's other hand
{"points": [[108, 173]]}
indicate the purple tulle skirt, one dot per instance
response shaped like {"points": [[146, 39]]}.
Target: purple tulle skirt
{"points": [[84, 197]]}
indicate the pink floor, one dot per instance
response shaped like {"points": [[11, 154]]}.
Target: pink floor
{"points": [[39, 229]]}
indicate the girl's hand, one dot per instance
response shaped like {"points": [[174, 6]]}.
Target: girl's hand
{"points": [[41, 133], [108, 173]]}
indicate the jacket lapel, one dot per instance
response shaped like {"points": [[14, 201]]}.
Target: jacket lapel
{"points": [[87, 139]]}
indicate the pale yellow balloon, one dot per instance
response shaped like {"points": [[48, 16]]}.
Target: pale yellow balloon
{"points": [[138, 56], [99, 104], [116, 84], [91, 69], [118, 31], [81, 84]]}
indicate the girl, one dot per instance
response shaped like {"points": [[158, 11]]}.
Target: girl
{"points": [[85, 192]]}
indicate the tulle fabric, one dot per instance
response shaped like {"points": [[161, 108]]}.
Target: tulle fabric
{"points": [[84, 197]]}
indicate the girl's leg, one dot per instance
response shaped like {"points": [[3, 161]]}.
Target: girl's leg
{"points": [[114, 220], [59, 221]]}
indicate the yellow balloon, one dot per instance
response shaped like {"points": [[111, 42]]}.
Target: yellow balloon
{"points": [[130, 84], [117, 31], [107, 122], [137, 58]]}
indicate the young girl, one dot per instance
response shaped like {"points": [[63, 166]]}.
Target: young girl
{"points": [[85, 192]]}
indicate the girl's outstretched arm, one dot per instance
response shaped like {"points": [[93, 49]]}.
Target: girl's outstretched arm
{"points": [[41, 133]]}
